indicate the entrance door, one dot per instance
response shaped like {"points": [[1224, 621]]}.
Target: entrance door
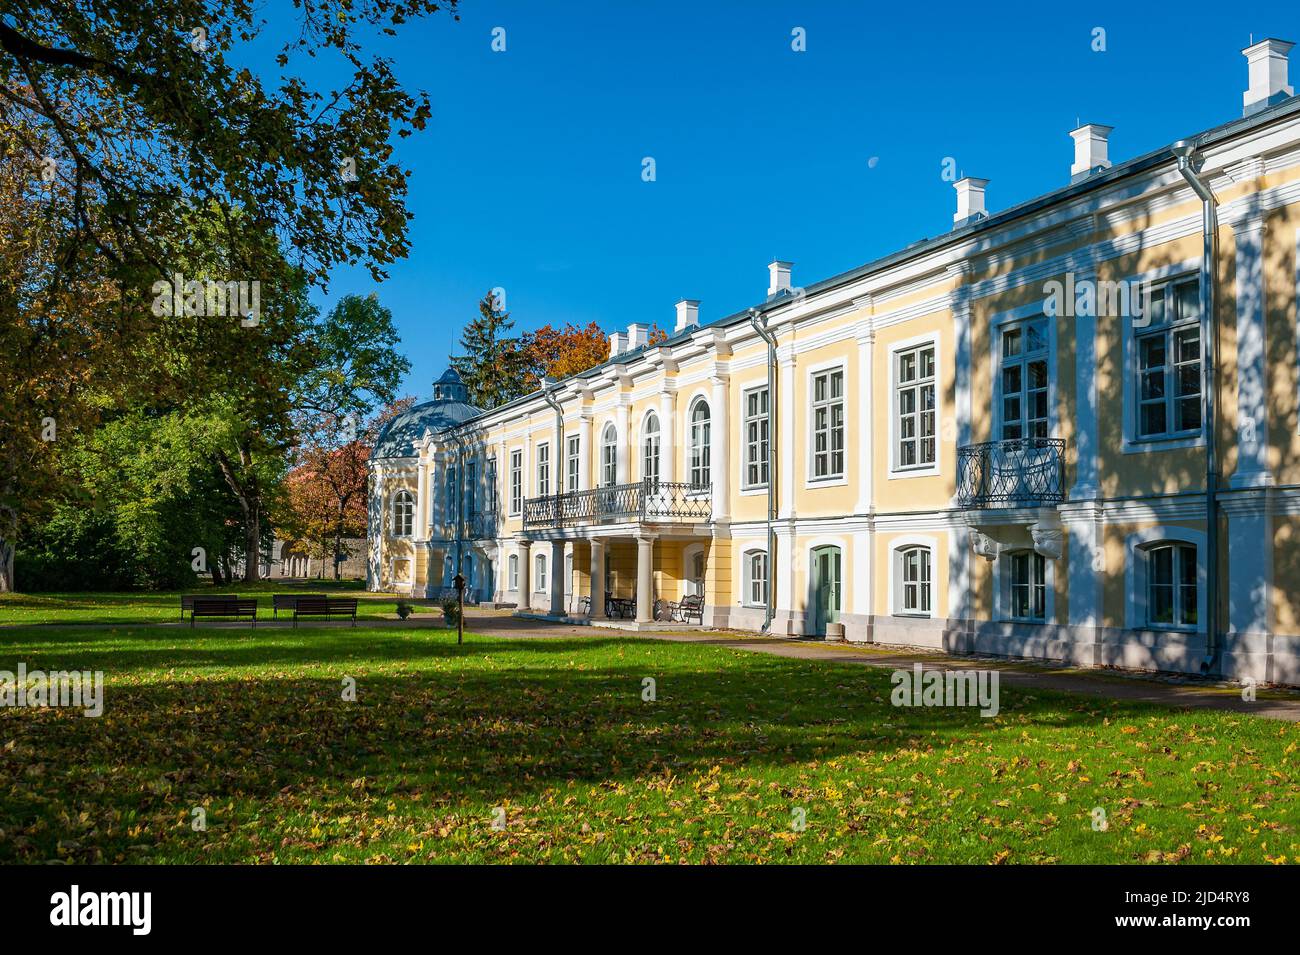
{"points": [[826, 587]]}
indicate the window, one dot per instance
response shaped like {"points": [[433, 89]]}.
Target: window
{"points": [[1168, 363], [514, 572], [539, 573], [757, 435], [450, 518], [403, 513], [1026, 586], [490, 488], [700, 445], [756, 578], [650, 462], [1024, 379], [471, 489], [609, 456], [1171, 585], [914, 407], [694, 584], [912, 573], [575, 452], [516, 481], [828, 424], [543, 470]]}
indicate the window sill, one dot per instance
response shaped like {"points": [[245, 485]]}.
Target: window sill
{"points": [[905, 473], [912, 616], [1145, 445], [836, 481], [754, 491]]}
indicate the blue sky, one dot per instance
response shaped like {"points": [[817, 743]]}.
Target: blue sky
{"points": [[529, 175]]}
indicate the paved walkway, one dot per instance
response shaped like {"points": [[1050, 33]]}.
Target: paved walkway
{"points": [[1278, 704]]}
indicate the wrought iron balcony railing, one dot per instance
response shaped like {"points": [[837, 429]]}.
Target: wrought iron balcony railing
{"points": [[1025, 472], [619, 503]]}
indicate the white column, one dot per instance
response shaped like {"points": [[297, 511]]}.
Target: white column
{"points": [[960, 305], [865, 425], [1252, 370], [1250, 563], [719, 458], [787, 427], [667, 434], [556, 578], [1085, 388], [597, 578], [1087, 565], [624, 441], [645, 563], [584, 453], [525, 575]]}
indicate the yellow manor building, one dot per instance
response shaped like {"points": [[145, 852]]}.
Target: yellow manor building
{"points": [[1005, 440]]}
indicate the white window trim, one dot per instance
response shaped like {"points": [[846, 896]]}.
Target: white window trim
{"points": [[810, 451], [1135, 576], [997, 323], [600, 457], [745, 486], [699, 398], [641, 442], [576, 459], [689, 554], [907, 542], [540, 580], [895, 472], [1132, 444], [510, 488], [1002, 589], [512, 574], [747, 579], [537, 469], [397, 496]]}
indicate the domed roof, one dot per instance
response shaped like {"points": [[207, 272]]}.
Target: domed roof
{"points": [[449, 407]]}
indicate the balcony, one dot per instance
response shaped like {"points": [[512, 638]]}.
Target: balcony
{"points": [[648, 501], [1025, 472]]}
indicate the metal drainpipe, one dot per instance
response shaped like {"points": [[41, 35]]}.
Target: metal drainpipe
{"points": [[1189, 165], [558, 462], [759, 322]]}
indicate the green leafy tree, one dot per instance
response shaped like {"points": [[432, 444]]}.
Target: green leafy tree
{"points": [[494, 364]]}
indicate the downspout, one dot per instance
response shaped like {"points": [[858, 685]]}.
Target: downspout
{"points": [[559, 465], [758, 320], [1189, 165]]}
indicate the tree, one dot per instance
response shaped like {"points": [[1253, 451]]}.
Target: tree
{"points": [[492, 367], [560, 352]]}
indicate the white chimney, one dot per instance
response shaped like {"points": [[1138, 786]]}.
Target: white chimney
{"points": [[778, 280], [970, 200], [1091, 145], [688, 314], [617, 343], [1266, 67], [638, 333]]}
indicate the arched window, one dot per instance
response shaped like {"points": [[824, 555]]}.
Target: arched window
{"points": [[539, 573], [1172, 591], [756, 578], [650, 462], [700, 471], [912, 580], [403, 513], [609, 456], [513, 565]]}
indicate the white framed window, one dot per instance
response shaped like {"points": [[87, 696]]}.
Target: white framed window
{"points": [[513, 565], [403, 513], [490, 487], [1165, 579], [539, 574], [756, 578], [757, 435], [1168, 352], [827, 424], [1024, 380], [693, 561], [1023, 586], [609, 456], [650, 449], [912, 578], [516, 482], [574, 456], [701, 443], [471, 488], [453, 498], [543, 470], [915, 408]]}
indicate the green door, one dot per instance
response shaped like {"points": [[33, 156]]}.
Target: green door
{"points": [[826, 587]]}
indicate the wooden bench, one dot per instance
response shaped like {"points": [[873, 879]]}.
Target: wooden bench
{"points": [[187, 600], [326, 607], [287, 602], [224, 607], [692, 605]]}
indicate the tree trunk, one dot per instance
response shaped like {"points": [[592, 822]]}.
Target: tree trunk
{"points": [[6, 565], [253, 543]]}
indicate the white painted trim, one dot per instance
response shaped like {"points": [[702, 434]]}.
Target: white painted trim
{"points": [[905, 542], [1002, 589], [1013, 316], [1135, 575], [811, 371], [746, 580], [906, 344]]}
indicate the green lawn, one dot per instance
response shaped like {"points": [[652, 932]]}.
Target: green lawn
{"points": [[552, 737], [109, 607]]}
